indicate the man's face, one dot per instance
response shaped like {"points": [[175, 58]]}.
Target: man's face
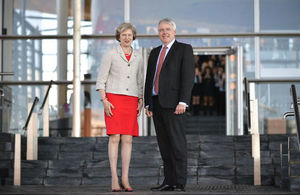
{"points": [[166, 33]]}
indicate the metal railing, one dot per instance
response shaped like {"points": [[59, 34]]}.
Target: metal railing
{"points": [[145, 36], [6, 73], [295, 101], [35, 101], [247, 98], [61, 82], [296, 112], [264, 81], [46, 96]]}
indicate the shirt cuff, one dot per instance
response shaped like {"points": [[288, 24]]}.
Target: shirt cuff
{"points": [[183, 103]]}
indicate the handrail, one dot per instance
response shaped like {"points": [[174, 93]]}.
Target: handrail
{"points": [[6, 73], [35, 101], [60, 82], [111, 36], [247, 96], [89, 82], [46, 95], [274, 80], [296, 110], [287, 114], [268, 80]]}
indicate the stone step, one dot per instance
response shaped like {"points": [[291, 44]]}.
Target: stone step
{"points": [[207, 119], [6, 146], [211, 158], [6, 137], [39, 175]]}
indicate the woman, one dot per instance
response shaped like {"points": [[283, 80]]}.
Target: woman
{"points": [[196, 92], [208, 84], [120, 82]]}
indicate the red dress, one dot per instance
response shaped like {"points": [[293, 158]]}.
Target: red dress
{"points": [[124, 119]]}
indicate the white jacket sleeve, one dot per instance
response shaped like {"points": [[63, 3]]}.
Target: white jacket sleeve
{"points": [[103, 71]]}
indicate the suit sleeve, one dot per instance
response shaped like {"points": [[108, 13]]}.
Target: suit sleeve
{"points": [[187, 74], [149, 80]]}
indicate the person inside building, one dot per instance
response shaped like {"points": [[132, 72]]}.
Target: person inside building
{"points": [[196, 92], [208, 90], [120, 82]]}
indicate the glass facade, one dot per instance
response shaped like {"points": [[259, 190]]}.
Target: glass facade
{"points": [[36, 59], [279, 15], [194, 16], [274, 100]]}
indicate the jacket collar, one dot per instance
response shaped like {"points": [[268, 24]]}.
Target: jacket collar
{"points": [[122, 55]]}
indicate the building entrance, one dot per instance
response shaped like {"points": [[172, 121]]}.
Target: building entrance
{"points": [[217, 97], [206, 113], [216, 106]]}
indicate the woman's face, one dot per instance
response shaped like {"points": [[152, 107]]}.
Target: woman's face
{"points": [[126, 38]]}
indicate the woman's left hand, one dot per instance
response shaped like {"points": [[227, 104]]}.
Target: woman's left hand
{"points": [[140, 106]]}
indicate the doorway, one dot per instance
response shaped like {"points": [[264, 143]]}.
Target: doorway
{"points": [[217, 97], [207, 110]]}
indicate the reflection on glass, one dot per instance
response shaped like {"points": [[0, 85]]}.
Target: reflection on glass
{"points": [[279, 15], [280, 57], [274, 100], [194, 16]]}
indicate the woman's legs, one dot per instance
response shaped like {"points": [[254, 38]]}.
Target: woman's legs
{"points": [[126, 156], [113, 147]]}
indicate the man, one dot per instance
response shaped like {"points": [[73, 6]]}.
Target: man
{"points": [[168, 87]]}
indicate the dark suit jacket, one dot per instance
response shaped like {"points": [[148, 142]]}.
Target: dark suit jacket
{"points": [[176, 76]]}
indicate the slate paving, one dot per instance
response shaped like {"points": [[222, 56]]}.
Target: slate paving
{"points": [[190, 189]]}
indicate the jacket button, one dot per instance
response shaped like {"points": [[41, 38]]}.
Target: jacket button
{"points": [[128, 77], [127, 89], [128, 64]]}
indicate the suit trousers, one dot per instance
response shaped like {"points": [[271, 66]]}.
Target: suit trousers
{"points": [[170, 132]]}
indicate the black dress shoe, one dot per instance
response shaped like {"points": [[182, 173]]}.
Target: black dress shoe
{"points": [[179, 188], [163, 187]]}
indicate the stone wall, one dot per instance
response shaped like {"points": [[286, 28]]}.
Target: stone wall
{"points": [[294, 164], [212, 160]]}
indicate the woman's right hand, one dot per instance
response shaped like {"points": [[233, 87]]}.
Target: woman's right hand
{"points": [[108, 107]]}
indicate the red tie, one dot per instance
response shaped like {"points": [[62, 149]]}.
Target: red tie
{"points": [[160, 63]]}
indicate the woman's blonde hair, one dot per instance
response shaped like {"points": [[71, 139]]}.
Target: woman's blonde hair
{"points": [[125, 26]]}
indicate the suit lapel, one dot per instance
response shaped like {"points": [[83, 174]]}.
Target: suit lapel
{"points": [[170, 53], [133, 56], [121, 53], [155, 59]]}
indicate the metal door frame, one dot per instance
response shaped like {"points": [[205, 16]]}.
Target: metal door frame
{"points": [[238, 51]]}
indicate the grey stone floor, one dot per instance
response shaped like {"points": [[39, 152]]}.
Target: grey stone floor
{"points": [[191, 189]]}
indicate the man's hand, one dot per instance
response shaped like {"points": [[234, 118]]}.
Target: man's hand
{"points": [[149, 113], [180, 109]]}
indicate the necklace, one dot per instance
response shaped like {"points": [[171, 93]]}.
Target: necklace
{"points": [[125, 51]]}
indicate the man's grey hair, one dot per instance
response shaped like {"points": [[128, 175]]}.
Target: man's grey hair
{"points": [[168, 21]]}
